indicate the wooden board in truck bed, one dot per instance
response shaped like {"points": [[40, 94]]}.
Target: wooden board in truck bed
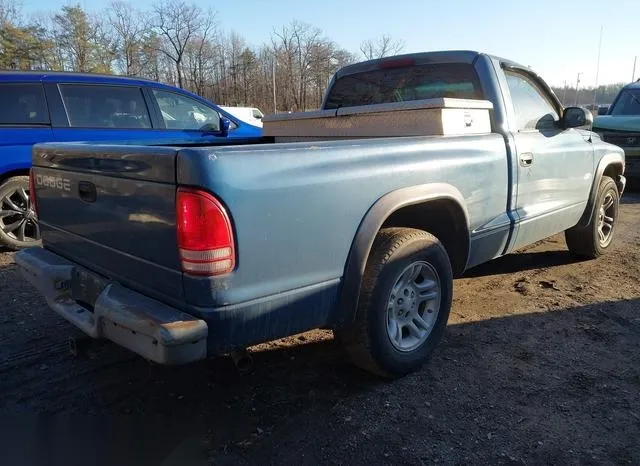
{"points": [[430, 117]]}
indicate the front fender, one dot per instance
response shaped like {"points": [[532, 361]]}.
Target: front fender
{"points": [[610, 159]]}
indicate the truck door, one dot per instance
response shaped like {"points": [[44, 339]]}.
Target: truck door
{"points": [[555, 164]]}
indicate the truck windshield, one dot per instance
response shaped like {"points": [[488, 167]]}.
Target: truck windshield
{"points": [[455, 80], [628, 103]]}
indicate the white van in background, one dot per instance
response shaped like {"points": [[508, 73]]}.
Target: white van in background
{"points": [[250, 115]]}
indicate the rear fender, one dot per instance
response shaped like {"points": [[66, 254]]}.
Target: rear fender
{"points": [[371, 224]]}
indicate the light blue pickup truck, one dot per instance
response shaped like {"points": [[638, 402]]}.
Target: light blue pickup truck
{"points": [[183, 252]]}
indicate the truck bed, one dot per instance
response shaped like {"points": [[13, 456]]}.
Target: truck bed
{"points": [[280, 196]]}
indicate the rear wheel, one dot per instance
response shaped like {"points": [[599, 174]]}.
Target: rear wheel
{"points": [[18, 222], [595, 238], [404, 303]]}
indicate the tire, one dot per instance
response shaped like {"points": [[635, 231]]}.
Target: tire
{"points": [[373, 341], [18, 223], [594, 239]]}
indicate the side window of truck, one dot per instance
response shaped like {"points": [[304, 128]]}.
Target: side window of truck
{"points": [[182, 112], [100, 106], [533, 110], [23, 104]]}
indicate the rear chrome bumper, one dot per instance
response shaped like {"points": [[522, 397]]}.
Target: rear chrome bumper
{"points": [[103, 309]]}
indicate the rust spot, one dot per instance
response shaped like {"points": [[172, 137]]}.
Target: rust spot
{"points": [[181, 324]]}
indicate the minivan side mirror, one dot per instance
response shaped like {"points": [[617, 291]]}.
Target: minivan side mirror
{"points": [[603, 110], [577, 117], [225, 124]]}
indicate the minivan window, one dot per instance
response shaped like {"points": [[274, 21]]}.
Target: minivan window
{"points": [[455, 80], [98, 106], [182, 112], [23, 104]]}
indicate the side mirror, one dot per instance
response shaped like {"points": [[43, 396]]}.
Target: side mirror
{"points": [[603, 110], [577, 117], [225, 124]]}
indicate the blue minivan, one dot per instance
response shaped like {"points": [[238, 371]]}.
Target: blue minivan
{"points": [[58, 106]]}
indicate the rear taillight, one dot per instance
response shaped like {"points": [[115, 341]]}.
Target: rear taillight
{"points": [[32, 191], [205, 234]]}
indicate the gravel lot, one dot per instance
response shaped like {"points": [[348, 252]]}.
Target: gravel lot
{"points": [[540, 364]]}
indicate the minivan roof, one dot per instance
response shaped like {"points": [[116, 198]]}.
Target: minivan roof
{"points": [[75, 77], [89, 78]]}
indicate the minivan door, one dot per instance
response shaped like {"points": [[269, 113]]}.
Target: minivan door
{"points": [[24, 121], [188, 119], [104, 113]]}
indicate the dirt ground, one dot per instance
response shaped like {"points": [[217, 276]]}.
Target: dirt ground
{"points": [[540, 365]]}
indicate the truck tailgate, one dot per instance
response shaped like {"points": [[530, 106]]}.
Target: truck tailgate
{"points": [[112, 209]]}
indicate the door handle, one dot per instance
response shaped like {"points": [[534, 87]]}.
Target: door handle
{"points": [[526, 159]]}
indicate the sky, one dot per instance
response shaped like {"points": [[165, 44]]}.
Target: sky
{"points": [[557, 38]]}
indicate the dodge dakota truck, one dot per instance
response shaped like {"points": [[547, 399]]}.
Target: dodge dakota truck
{"points": [[185, 251]]}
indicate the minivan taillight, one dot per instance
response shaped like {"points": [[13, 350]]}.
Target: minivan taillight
{"points": [[32, 191], [205, 234]]}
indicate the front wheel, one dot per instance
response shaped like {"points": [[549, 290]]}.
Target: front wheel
{"points": [[18, 222], [404, 303], [595, 238]]}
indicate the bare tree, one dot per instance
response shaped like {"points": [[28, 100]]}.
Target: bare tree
{"points": [[179, 43], [177, 23], [10, 11], [304, 59], [129, 29], [383, 46], [200, 54]]}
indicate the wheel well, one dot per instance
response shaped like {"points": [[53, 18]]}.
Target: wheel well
{"points": [[20, 172], [444, 219], [613, 170]]}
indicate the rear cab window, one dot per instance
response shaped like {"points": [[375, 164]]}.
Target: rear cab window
{"points": [[23, 104], [105, 106], [407, 83]]}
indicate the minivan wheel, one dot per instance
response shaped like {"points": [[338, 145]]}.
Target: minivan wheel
{"points": [[404, 303], [18, 221]]}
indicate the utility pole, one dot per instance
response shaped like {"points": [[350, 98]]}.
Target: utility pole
{"points": [[578, 89], [275, 106], [595, 92], [633, 75]]}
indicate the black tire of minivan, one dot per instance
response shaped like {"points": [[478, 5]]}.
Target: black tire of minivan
{"points": [[18, 222]]}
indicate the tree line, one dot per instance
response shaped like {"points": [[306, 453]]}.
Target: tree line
{"points": [[180, 43], [586, 96]]}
